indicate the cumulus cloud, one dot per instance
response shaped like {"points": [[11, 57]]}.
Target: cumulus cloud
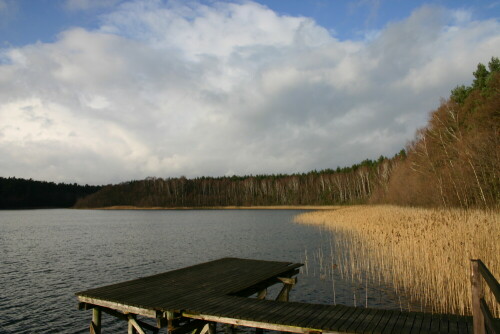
{"points": [[184, 88]]}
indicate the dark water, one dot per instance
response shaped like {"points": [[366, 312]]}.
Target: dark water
{"points": [[48, 255]]}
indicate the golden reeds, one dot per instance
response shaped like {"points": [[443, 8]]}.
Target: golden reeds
{"points": [[424, 253]]}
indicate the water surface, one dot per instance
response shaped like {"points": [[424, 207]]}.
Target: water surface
{"points": [[48, 255]]}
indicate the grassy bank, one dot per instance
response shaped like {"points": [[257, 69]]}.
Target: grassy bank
{"points": [[264, 207], [424, 253]]}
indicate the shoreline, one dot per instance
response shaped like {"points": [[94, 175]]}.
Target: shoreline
{"points": [[263, 207]]}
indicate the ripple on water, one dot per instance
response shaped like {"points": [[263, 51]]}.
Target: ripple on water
{"points": [[48, 255]]}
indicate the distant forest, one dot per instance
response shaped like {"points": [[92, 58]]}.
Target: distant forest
{"points": [[454, 161], [343, 186], [18, 193]]}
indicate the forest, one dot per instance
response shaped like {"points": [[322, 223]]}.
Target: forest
{"points": [[343, 186], [455, 160], [452, 162], [17, 193]]}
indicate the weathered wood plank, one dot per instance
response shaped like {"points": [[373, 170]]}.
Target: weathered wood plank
{"points": [[444, 324], [374, 321], [425, 325], [384, 320], [278, 312], [407, 326], [118, 306], [333, 318], [304, 317], [452, 324], [248, 323], [435, 323], [352, 319], [338, 321], [392, 322], [399, 324], [359, 327], [315, 322]]}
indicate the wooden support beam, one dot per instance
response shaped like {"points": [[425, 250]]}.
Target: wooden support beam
{"points": [[125, 317], [147, 326], [131, 329], [115, 314], [161, 322], [85, 306], [490, 322], [477, 314], [288, 283], [212, 328], [204, 329], [135, 325], [288, 280], [189, 327], [262, 294], [229, 329], [94, 329], [250, 323], [95, 325], [150, 313], [284, 294]]}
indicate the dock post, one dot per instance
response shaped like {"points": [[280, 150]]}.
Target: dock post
{"points": [[229, 329], [262, 294], [95, 325], [288, 284], [212, 328], [170, 321], [477, 314]]}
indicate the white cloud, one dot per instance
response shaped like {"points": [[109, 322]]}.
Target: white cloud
{"points": [[176, 88]]}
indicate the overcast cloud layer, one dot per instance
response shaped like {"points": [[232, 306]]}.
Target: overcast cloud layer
{"points": [[169, 90]]}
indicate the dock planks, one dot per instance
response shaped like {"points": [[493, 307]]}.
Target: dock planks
{"points": [[218, 291]]}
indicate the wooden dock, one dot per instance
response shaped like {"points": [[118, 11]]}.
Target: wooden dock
{"points": [[196, 298]]}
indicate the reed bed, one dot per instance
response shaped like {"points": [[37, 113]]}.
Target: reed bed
{"points": [[423, 253]]}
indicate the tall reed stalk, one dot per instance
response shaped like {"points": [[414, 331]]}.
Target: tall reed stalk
{"points": [[424, 253]]}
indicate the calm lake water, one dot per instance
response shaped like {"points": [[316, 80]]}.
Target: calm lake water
{"points": [[48, 255]]}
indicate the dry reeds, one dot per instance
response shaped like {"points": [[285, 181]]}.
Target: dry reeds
{"points": [[423, 253]]}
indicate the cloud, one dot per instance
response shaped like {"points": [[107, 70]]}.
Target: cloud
{"points": [[184, 88]]}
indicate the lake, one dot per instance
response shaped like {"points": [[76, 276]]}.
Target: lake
{"points": [[48, 255]]}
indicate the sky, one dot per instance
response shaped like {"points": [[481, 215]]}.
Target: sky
{"points": [[105, 91]]}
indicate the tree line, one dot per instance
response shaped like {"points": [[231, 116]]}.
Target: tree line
{"points": [[342, 186], [454, 161], [18, 193]]}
